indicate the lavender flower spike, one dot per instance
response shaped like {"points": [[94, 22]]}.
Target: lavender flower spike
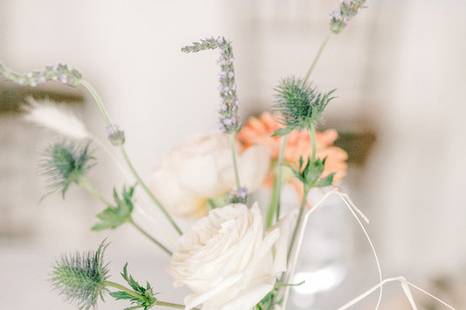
{"points": [[347, 10], [61, 73], [229, 121]]}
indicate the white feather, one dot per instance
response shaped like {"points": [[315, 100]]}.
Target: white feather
{"points": [[48, 114]]}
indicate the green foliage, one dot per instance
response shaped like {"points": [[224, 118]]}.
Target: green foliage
{"points": [[218, 202], [65, 163], [81, 277], [114, 216], [269, 301], [310, 173], [299, 104], [144, 297], [272, 298]]}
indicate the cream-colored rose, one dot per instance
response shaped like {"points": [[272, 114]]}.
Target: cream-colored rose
{"points": [[203, 168], [228, 261]]}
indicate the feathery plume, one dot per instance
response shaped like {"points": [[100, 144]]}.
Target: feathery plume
{"points": [[48, 114]]}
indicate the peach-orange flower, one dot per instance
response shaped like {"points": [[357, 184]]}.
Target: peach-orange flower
{"points": [[258, 130]]}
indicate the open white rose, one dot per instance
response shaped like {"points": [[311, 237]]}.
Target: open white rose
{"points": [[228, 261], [203, 168]]}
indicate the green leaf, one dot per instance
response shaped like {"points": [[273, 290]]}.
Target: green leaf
{"points": [[115, 216], [327, 181], [218, 202], [309, 173], [121, 295], [313, 171], [145, 298]]}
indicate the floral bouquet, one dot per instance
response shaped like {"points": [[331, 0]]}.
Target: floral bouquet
{"points": [[237, 255]]}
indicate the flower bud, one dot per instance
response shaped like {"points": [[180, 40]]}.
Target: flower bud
{"points": [[115, 135]]}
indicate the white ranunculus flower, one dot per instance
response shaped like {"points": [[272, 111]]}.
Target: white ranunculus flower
{"points": [[228, 261], [201, 169]]}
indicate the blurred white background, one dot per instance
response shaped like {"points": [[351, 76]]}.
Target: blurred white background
{"points": [[399, 69]]}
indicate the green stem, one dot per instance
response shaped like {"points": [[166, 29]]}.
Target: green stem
{"points": [[312, 137], [90, 188], [274, 208], [298, 223], [232, 140], [148, 191], [142, 231], [170, 305], [317, 57], [100, 104], [97, 99]]}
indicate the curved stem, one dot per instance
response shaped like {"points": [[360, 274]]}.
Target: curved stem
{"points": [[98, 100], [146, 234], [148, 191], [100, 104], [112, 156], [232, 140], [90, 188], [317, 57], [405, 285]]}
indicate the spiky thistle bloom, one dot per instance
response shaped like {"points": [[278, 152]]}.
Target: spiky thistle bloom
{"points": [[65, 163], [48, 114], [347, 10], [229, 121], [60, 73], [299, 104], [81, 277]]}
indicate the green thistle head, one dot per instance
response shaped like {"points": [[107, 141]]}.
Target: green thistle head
{"points": [[65, 164], [299, 104], [81, 277]]}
